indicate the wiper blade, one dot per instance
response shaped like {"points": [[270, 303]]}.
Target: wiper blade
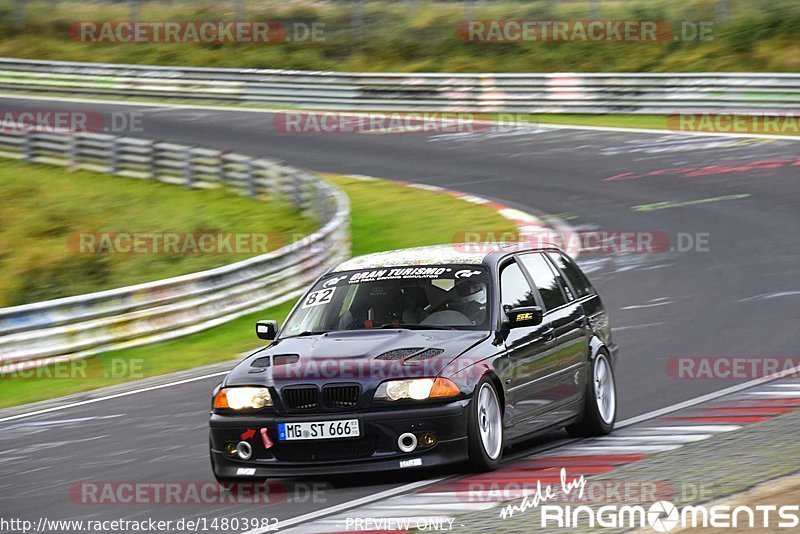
{"points": [[311, 333], [405, 326]]}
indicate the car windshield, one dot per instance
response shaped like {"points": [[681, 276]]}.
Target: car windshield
{"points": [[420, 297]]}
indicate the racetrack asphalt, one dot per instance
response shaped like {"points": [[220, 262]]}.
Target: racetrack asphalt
{"points": [[739, 298]]}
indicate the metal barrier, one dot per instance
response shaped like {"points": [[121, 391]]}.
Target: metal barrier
{"points": [[74, 327], [516, 93]]}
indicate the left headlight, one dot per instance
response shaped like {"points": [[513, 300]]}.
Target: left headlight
{"points": [[242, 398], [417, 389]]}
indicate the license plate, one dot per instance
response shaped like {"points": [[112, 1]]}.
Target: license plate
{"points": [[344, 428]]}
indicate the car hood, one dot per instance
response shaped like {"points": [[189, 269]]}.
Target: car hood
{"points": [[351, 356]]}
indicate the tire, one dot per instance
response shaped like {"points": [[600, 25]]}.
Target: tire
{"points": [[600, 408], [485, 428]]}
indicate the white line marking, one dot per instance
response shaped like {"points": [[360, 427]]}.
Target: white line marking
{"points": [[286, 523], [109, 397], [699, 428], [589, 450], [549, 126], [660, 438]]}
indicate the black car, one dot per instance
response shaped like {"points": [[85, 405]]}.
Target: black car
{"points": [[416, 358]]}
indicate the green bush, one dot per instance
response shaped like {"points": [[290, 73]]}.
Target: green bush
{"points": [[420, 36]]}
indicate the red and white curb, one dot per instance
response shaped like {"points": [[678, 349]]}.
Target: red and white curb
{"points": [[442, 502], [530, 227]]}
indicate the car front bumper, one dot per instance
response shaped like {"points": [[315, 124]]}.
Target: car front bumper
{"points": [[375, 450]]}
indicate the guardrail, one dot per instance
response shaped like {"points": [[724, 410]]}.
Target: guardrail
{"points": [[506, 92], [57, 330]]}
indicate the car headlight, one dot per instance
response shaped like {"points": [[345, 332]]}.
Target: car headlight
{"points": [[243, 398], [417, 389]]}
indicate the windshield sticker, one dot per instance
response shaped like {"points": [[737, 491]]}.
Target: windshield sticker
{"points": [[395, 274], [430, 272], [315, 298]]}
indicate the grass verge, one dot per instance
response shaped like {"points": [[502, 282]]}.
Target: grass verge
{"points": [[52, 223], [381, 220]]}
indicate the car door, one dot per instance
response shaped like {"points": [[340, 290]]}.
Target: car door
{"points": [[530, 364], [566, 316], [591, 305]]}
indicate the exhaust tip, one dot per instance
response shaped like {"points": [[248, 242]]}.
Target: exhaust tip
{"points": [[244, 450], [407, 442]]}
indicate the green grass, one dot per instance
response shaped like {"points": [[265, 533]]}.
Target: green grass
{"points": [[46, 211], [381, 220], [398, 36]]}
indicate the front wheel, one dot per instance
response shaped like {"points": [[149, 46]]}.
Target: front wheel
{"points": [[600, 410], [485, 428]]}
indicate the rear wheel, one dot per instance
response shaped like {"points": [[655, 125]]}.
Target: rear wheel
{"points": [[600, 409], [485, 428]]}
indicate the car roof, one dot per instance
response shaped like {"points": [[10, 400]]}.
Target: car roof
{"points": [[464, 253]]}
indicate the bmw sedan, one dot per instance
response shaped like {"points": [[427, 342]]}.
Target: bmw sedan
{"points": [[419, 357]]}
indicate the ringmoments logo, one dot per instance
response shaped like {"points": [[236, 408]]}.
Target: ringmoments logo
{"points": [[664, 516]]}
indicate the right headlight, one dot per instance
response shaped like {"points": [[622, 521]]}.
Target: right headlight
{"points": [[242, 398], [416, 389]]}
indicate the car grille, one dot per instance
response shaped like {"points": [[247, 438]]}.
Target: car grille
{"points": [[326, 451], [301, 398], [341, 396]]}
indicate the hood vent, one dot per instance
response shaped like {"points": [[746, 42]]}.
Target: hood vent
{"points": [[285, 359], [260, 363], [398, 354], [426, 354]]}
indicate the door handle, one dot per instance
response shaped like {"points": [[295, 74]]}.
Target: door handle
{"points": [[579, 321]]}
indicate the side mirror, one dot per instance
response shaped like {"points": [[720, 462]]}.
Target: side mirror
{"points": [[267, 329], [524, 316]]}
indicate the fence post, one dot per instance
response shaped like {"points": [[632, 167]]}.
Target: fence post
{"points": [[297, 184], [188, 168], [136, 9], [252, 188], [72, 152], [722, 10], [27, 147], [113, 162], [594, 9], [19, 14], [152, 167], [357, 23]]}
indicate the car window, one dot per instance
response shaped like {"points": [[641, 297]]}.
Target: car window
{"points": [[515, 291], [442, 296], [546, 280], [580, 284]]}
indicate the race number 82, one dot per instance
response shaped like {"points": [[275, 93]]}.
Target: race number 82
{"points": [[315, 298]]}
